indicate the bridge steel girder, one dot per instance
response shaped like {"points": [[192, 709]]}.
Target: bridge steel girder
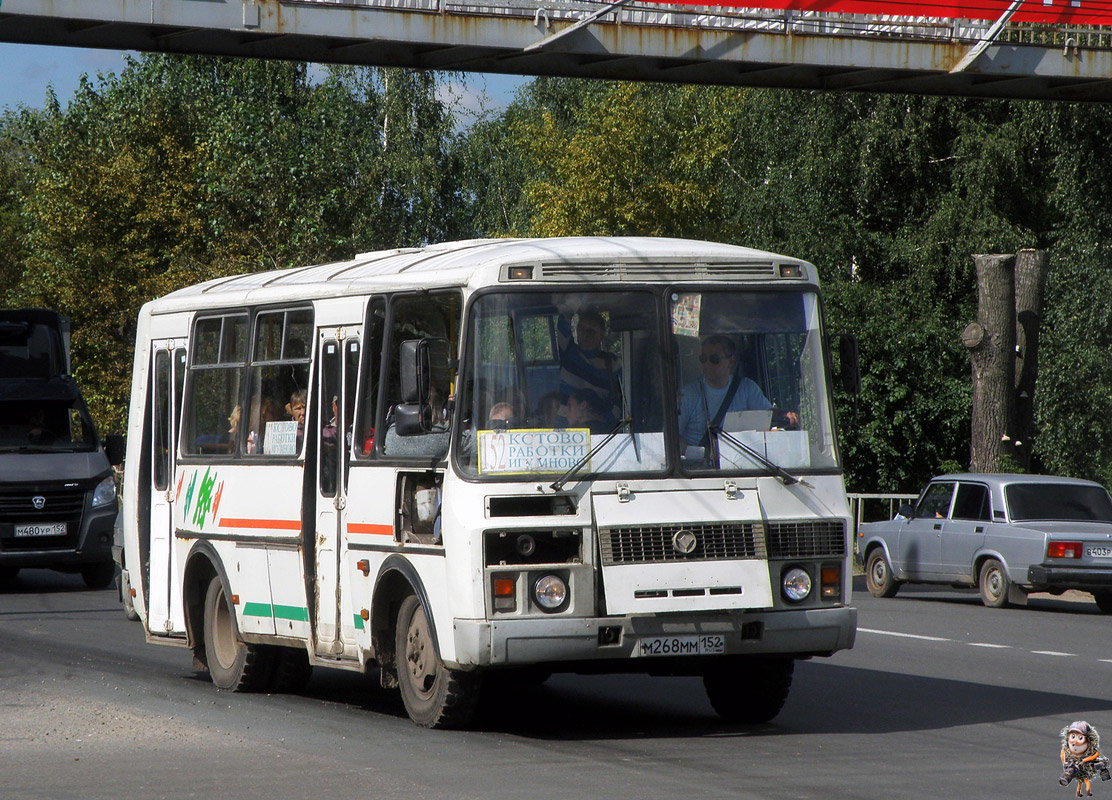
{"points": [[350, 33]]}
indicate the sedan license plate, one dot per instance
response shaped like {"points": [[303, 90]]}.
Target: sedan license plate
{"points": [[1099, 551], [41, 529], [696, 645]]}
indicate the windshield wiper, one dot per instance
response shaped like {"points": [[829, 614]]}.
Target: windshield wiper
{"points": [[781, 473], [558, 484]]}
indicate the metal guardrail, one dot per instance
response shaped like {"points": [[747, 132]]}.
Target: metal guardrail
{"points": [[865, 507]]}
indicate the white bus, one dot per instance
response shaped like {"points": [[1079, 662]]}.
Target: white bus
{"points": [[493, 459]]}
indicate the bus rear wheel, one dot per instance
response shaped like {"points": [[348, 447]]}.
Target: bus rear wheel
{"points": [[749, 690], [434, 696], [232, 663]]}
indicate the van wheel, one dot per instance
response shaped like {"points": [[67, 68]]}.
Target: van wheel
{"points": [[994, 584], [434, 696], [126, 598], [232, 663], [99, 575], [1104, 601], [749, 690], [878, 575]]}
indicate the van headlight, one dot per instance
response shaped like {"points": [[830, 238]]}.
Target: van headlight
{"points": [[550, 592], [105, 492], [796, 584]]}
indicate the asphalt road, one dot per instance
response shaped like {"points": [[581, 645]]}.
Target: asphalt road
{"points": [[941, 697]]}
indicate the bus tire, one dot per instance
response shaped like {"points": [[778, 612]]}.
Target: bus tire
{"points": [[434, 696], [232, 663], [292, 670], [749, 690]]}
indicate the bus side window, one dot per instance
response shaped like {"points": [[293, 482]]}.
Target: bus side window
{"points": [[216, 376], [416, 317], [279, 382], [370, 379]]}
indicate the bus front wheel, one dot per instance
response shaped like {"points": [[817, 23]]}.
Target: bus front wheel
{"points": [[232, 663], [749, 690], [434, 696]]}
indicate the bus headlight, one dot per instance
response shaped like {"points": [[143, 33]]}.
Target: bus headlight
{"points": [[105, 493], [550, 592], [796, 584]]}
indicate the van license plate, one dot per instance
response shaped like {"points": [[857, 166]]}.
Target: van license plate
{"points": [[41, 529], [699, 645]]}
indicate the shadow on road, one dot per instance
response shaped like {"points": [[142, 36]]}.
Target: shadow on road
{"points": [[825, 698]]}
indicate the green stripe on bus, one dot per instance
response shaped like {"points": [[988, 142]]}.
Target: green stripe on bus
{"points": [[358, 622], [294, 613]]}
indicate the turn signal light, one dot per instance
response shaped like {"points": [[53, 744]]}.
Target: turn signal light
{"points": [[831, 580], [505, 589], [1063, 550]]}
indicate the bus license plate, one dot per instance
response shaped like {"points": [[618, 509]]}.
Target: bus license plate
{"points": [[1098, 552], [698, 645], [41, 529]]}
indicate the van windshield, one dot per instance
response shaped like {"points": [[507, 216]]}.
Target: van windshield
{"points": [[45, 426]]}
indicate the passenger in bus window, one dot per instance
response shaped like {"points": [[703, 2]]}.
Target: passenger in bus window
{"points": [[296, 410], [548, 411], [585, 363], [586, 409], [721, 389], [501, 416], [267, 410]]}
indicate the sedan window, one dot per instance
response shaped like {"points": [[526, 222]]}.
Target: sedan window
{"points": [[972, 502], [935, 501], [1056, 501]]}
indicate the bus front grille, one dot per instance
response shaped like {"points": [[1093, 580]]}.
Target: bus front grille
{"points": [[711, 541], [806, 539]]}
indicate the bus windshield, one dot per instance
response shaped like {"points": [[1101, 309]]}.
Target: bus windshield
{"points": [[574, 381], [751, 381], [549, 376]]}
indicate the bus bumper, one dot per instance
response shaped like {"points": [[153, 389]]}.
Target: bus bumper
{"points": [[510, 642]]}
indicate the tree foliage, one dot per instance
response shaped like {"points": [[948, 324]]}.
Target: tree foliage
{"points": [[180, 169]]}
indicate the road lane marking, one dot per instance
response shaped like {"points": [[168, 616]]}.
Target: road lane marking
{"points": [[1053, 653], [905, 635], [987, 644]]}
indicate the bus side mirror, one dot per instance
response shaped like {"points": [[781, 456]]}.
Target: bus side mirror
{"points": [[414, 363], [114, 447], [425, 367], [850, 367]]}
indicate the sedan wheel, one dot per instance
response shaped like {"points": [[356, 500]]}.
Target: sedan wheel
{"points": [[1104, 601], [994, 584], [878, 575]]}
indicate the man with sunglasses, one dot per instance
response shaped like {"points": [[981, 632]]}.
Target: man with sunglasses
{"points": [[721, 389]]}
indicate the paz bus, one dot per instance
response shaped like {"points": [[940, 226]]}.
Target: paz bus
{"points": [[475, 461]]}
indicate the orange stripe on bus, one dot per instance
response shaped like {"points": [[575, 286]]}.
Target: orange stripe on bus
{"points": [[370, 527], [274, 524]]}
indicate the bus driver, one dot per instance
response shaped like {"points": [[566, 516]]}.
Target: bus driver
{"points": [[721, 389]]}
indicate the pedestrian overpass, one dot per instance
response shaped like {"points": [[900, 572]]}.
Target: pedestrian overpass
{"points": [[1033, 49]]}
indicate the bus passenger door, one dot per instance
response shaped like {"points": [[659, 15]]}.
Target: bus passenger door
{"points": [[167, 371], [339, 360]]}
